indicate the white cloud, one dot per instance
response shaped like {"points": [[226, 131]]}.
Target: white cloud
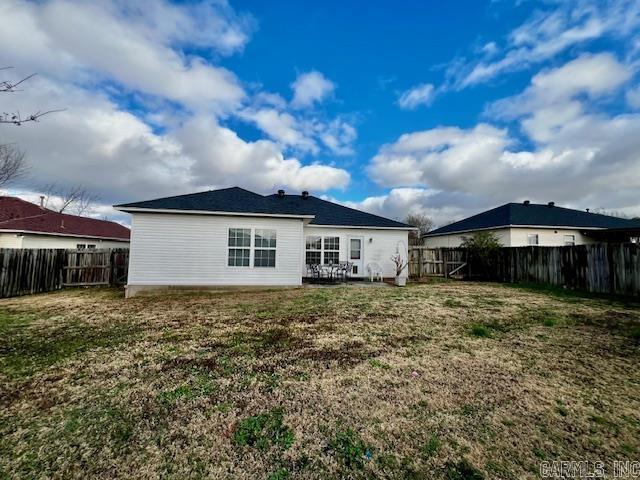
{"points": [[282, 127], [546, 34], [95, 59], [223, 158], [576, 155], [633, 97], [92, 41], [338, 136], [309, 88], [416, 96]]}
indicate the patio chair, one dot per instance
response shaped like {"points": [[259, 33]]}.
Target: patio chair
{"points": [[314, 272], [375, 271], [345, 270]]}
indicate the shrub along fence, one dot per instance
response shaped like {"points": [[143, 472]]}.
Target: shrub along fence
{"points": [[26, 271], [600, 268]]}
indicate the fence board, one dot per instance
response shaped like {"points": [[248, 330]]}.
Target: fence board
{"points": [[27, 271], [600, 268]]}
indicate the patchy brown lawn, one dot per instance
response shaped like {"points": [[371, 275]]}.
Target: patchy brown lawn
{"points": [[444, 380]]}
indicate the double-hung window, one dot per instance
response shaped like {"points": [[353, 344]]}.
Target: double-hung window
{"points": [[532, 239], [239, 247], [265, 248], [570, 240], [313, 250], [331, 250]]}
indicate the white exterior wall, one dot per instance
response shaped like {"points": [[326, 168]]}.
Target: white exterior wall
{"points": [[378, 245], [192, 250], [28, 240], [514, 237], [455, 239], [547, 237]]}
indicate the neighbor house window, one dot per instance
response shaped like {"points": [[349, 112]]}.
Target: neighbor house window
{"points": [[265, 248], [569, 239], [81, 246], [239, 247], [91, 247], [532, 239], [331, 250], [313, 250]]}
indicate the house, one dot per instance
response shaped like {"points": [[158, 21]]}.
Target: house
{"points": [[526, 223], [27, 225], [236, 237]]}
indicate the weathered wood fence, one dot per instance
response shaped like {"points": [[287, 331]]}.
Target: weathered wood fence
{"points": [[436, 262], [26, 271], [601, 268]]}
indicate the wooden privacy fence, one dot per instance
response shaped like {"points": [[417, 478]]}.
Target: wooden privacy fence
{"points": [[600, 268], [26, 271], [436, 262]]}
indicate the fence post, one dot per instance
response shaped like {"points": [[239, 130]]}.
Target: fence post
{"points": [[420, 262]]}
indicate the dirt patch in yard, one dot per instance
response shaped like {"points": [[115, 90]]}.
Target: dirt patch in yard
{"points": [[438, 380]]}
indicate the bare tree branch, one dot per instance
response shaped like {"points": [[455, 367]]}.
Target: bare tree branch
{"points": [[15, 118], [12, 164], [75, 199], [421, 222]]}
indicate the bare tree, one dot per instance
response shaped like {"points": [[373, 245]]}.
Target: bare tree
{"points": [[75, 199], [16, 118], [12, 164], [422, 222]]}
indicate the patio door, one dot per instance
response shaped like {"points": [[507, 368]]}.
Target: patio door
{"points": [[355, 255]]}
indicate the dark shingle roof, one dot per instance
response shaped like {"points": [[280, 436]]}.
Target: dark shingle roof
{"points": [[20, 215], [535, 214], [239, 200]]}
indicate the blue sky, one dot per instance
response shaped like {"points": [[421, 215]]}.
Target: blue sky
{"points": [[444, 108]]}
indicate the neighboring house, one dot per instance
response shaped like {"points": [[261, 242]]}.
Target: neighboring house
{"points": [[27, 225], [520, 224], [236, 237]]}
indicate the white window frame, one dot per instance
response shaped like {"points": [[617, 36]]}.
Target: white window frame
{"points": [[571, 242], [239, 247], [263, 248], [326, 250], [317, 239], [530, 236], [252, 246]]}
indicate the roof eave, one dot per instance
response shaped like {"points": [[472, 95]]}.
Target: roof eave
{"points": [[209, 212], [57, 234], [497, 227]]}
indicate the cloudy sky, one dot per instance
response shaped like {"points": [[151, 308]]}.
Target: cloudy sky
{"points": [[434, 107]]}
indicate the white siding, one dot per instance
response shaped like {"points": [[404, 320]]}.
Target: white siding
{"points": [[10, 240], [514, 237], [192, 250], [378, 246], [547, 237], [454, 240], [27, 240]]}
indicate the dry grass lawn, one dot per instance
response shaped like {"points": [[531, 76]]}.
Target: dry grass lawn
{"points": [[440, 380]]}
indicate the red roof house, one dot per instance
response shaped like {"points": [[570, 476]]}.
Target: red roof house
{"points": [[27, 225]]}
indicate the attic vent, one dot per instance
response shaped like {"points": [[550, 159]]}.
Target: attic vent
{"points": [[587, 210], [305, 194], [551, 204], [281, 193], [526, 202]]}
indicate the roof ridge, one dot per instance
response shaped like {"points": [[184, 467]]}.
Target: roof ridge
{"points": [[191, 194]]}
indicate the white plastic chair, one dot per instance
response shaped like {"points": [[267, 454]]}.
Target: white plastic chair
{"points": [[375, 271]]}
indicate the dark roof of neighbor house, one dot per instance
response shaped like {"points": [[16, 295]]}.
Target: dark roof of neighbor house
{"points": [[19, 215], [239, 200], [535, 214]]}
